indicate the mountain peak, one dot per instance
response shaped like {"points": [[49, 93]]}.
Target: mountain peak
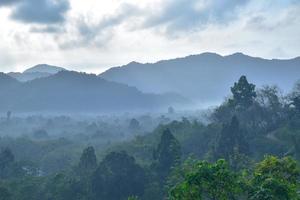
{"points": [[44, 68], [210, 54], [133, 63], [239, 55]]}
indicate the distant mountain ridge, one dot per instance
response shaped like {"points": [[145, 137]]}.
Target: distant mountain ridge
{"points": [[205, 77], [37, 71], [44, 68], [6, 82], [69, 91]]}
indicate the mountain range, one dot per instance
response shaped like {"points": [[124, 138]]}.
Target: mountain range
{"points": [[206, 77], [202, 79], [69, 91], [38, 71]]}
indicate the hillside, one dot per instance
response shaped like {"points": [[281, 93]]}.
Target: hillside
{"points": [[7, 82], [69, 91], [205, 77]]}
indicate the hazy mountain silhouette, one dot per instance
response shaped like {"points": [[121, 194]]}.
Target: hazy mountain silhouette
{"points": [[44, 68], [38, 71], [7, 82], [206, 77], [78, 92]]}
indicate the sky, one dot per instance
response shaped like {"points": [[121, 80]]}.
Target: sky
{"points": [[94, 35]]}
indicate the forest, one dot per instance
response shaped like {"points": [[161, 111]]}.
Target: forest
{"points": [[247, 148]]}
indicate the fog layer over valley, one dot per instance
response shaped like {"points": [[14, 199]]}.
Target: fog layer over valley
{"points": [[192, 82], [144, 132]]}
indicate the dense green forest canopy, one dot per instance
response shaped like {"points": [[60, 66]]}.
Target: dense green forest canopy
{"points": [[246, 148]]}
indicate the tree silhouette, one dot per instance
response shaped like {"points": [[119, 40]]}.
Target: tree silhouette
{"points": [[88, 160], [296, 103], [243, 93], [167, 154], [134, 124], [231, 140], [118, 177]]}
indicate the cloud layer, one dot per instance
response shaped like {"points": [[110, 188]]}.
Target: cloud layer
{"points": [[38, 11], [108, 33]]}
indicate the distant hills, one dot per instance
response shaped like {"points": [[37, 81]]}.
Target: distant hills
{"points": [[7, 82], [38, 71], [205, 77], [68, 91]]}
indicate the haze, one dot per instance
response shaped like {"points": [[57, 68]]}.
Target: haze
{"points": [[149, 100]]}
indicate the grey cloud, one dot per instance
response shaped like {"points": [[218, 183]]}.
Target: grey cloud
{"points": [[124, 13], [175, 15], [100, 33], [267, 22], [185, 15], [38, 11]]}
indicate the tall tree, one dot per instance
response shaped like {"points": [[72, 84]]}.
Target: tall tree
{"points": [[118, 177], [231, 140], [134, 125], [296, 104], [167, 154], [6, 160], [88, 161], [243, 93]]}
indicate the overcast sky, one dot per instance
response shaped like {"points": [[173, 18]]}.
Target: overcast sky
{"points": [[93, 35]]}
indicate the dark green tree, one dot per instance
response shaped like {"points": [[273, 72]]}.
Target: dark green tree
{"points": [[7, 158], [243, 93], [5, 194], [207, 181], [118, 177], [231, 141], [296, 104], [167, 154], [134, 124], [88, 161]]}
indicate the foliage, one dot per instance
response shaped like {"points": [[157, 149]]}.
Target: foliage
{"points": [[5, 194], [134, 124], [118, 177], [207, 181], [167, 154], [276, 179], [272, 179], [231, 140], [219, 153], [243, 93], [88, 161]]}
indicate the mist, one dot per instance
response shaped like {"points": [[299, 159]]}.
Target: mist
{"points": [[149, 100]]}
